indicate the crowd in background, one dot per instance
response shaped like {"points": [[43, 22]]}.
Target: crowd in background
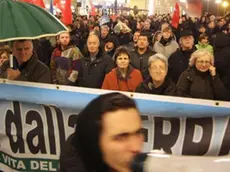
{"points": [[142, 54]]}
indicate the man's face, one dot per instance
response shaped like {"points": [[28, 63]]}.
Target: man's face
{"points": [[104, 32], [64, 39], [147, 25], [187, 42], [211, 25], [93, 44], [136, 36], [120, 142], [221, 23], [22, 50], [142, 42]]}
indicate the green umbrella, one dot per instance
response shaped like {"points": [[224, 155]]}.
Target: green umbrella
{"points": [[20, 20]]}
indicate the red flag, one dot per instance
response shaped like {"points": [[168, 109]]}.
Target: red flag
{"points": [[93, 9], [67, 13], [58, 4], [176, 16], [56, 1], [39, 3]]}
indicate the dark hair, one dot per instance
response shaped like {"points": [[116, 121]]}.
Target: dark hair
{"points": [[144, 33], [119, 51], [203, 36], [89, 127]]}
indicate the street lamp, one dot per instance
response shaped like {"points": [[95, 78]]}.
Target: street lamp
{"points": [[218, 2], [225, 4]]}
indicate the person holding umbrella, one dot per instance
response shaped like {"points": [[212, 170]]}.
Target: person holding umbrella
{"points": [[26, 66]]}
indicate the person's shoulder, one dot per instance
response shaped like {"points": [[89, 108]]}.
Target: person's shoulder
{"points": [[175, 54], [136, 72], [41, 65], [189, 73], [111, 73], [142, 88]]}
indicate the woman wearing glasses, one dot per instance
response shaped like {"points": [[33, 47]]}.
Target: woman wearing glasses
{"points": [[200, 80], [158, 82]]}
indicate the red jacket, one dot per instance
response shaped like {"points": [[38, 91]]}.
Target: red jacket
{"points": [[114, 81]]}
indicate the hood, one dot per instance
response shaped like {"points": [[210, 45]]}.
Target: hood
{"points": [[221, 40]]}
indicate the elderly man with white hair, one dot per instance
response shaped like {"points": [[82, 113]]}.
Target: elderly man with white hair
{"points": [[158, 82], [200, 80], [178, 61]]}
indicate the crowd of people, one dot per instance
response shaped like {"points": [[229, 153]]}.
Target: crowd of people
{"points": [[142, 54]]}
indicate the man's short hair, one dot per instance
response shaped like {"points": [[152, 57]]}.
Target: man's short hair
{"points": [[105, 27], [21, 40], [144, 34]]}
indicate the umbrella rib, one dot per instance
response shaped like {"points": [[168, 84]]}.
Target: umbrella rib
{"points": [[34, 17]]}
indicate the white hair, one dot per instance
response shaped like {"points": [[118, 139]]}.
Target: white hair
{"points": [[199, 53], [158, 56], [180, 40]]}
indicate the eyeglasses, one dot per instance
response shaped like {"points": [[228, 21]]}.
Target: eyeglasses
{"points": [[203, 62], [160, 69]]}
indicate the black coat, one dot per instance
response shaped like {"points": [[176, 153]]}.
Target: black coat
{"points": [[33, 71], [222, 58], [140, 61], [167, 88], [178, 63], [92, 73], [196, 84], [70, 160]]}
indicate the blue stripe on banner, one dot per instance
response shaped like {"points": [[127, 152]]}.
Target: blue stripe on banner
{"points": [[78, 98]]}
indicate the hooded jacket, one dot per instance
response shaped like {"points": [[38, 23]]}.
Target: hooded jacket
{"points": [[207, 47], [166, 49], [222, 57]]}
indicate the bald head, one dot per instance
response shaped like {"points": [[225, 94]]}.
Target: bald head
{"points": [[93, 43]]}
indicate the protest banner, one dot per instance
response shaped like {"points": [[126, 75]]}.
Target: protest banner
{"points": [[36, 119]]}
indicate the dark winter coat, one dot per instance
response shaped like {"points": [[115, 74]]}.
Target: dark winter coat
{"points": [[140, 61], [178, 63], [167, 88], [222, 58], [196, 84], [92, 73], [33, 71]]}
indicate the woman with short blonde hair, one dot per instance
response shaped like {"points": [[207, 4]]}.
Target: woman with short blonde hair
{"points": [[200, 80], [199, 53]]}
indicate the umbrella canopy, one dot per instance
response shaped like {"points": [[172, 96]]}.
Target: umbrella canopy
{"points": [[20, 20]]}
